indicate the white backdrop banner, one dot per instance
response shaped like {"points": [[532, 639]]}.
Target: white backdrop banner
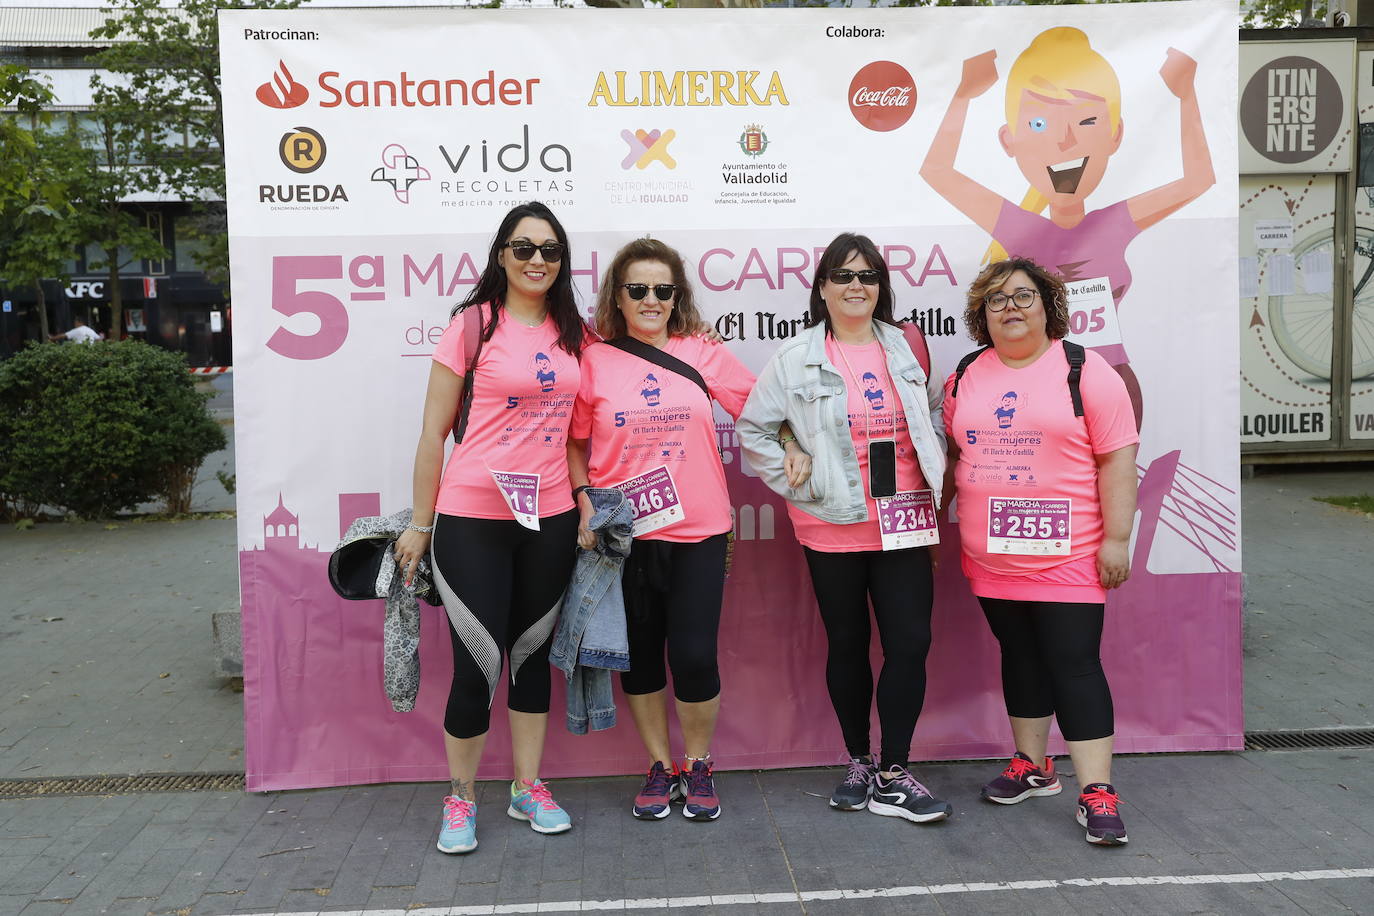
{"points": [[371, 154]]}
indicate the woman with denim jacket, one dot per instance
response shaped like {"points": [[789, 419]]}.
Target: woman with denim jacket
{"points": [[855, 395]]}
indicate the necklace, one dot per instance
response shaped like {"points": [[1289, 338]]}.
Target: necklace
{"points": [[529, 324]]}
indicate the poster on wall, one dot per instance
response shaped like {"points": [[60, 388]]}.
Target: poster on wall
{"points": [[1362, 258], [1295, 106], [368, 167]]}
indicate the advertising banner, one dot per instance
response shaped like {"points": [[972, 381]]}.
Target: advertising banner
{"points": [[369, 163], [1295, 106]]}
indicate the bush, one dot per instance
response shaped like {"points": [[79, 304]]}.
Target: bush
{"points": [[98, 428]]}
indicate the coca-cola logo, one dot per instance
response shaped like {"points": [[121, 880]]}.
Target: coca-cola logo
{"points": [[882, 96]]}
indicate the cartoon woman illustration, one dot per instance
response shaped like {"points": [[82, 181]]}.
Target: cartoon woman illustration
{"points": [[543, 372], [650, 390], [1005, 413], [872, 392], [1063, 111]]}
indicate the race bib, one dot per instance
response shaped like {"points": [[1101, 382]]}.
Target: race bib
{"points": [[653, 495], [1031, 527], [522, 495], [1092, 312], [908, 520]]}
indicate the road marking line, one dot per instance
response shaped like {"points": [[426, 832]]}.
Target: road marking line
{"points": [[915, 890]]}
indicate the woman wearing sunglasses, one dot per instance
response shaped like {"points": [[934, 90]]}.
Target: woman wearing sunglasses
{"points": [[853, 389], [498, 521], [1046, 479], [645, 406]]}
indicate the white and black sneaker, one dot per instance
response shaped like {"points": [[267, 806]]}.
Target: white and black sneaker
{"points": [[852, 794], [896, 793]]}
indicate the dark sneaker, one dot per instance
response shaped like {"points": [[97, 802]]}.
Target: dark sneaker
{"points": [[896, 793], [699, 791], [852, 794], [1097, 811], [1021, 780], [658, 793]]}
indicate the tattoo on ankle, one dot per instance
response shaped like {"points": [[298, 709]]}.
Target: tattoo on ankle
{"points": [[461, 788]]}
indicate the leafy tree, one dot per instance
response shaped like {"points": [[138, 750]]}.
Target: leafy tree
{"points": [[25, 197]]}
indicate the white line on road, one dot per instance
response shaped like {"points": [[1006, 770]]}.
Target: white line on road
{"points": [[914, 890]]}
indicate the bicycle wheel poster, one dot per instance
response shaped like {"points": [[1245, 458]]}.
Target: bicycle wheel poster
{"points": [[369, 163]]}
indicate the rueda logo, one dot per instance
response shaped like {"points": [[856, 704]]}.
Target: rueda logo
{"points": [[282, 91], [882, 96], [301, 150], [647, 147], [400, 170]]}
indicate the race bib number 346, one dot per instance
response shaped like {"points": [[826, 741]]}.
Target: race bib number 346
{"points": [[1034, 527], [654, 498]]}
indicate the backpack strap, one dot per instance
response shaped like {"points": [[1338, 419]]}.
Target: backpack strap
{"points": [[1073, 352], [917, 342], [662, 360], [963, 367], [471, 317]]}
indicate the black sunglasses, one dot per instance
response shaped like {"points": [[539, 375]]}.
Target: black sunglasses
{"points": [[842, 275], [662, 291], [524, 250]]}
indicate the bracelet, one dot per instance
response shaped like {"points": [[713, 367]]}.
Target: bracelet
{"points": [[577, 491], [782, 441], [423, 529]]}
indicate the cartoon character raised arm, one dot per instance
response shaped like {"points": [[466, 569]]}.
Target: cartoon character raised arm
{"points": [[1063, 123]]}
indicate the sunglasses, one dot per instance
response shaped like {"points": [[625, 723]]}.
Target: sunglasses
{"points": [[662, 291], [1022, 299], [842, 275], [523, 251]]}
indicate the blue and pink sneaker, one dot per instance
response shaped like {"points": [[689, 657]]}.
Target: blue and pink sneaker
{"points": [[531, 801], [699, 791], [658, 793], [458, 829]]}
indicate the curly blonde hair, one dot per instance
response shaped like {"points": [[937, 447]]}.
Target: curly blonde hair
{"points": [[1052, 294]]}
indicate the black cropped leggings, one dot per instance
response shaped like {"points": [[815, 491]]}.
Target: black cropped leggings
{"points": [[501, 584], [673, 594], [899, 582], [1052, 664]]}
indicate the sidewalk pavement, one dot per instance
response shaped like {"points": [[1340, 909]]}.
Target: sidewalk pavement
{"points": [[105, 659]]}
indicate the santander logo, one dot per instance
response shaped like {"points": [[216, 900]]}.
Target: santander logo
{"points": [[282, 91], [882, 96]]}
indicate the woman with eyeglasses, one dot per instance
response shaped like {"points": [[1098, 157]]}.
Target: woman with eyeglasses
{"points": [[1046, 478], [854, 389], [498, 521], [643, 424]]}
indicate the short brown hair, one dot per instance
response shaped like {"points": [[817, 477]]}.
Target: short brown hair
{"points": [[682, 320], [1052, 295]]}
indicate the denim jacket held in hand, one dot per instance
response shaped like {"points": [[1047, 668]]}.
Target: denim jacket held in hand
{"points": [[801, 385], [591, 640]]}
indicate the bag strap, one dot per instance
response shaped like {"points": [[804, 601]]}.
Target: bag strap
{"points": [[963, 367], [471, 317], [1073, 352], [662, 360], [916, 340]]}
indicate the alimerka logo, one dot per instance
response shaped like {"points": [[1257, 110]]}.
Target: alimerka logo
{"points": [[282, 91], [651, 88], [647, 147]]}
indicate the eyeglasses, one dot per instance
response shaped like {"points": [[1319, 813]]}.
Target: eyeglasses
{"points": [[662, 291], [841, 276], [1022, 299], [524, 250]]}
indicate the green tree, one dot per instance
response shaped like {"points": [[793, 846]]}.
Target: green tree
{"points": [[25, 197]]}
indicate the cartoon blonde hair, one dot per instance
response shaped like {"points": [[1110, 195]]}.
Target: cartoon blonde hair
{"points": [[1058, 61]]}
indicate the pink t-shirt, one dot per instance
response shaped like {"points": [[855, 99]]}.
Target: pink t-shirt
{"points": [[641, 417], [872, 395], [1019, 441], [522, 396]]}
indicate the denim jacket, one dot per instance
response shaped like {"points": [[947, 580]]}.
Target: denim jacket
{"points": [[591, 640], [801, 386]]}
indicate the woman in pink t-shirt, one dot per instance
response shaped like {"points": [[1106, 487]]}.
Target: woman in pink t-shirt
{"points": [[855, 393], [644, 424], [1047, 493], [498, 523]]}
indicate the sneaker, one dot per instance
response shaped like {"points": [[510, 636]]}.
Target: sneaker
{"points": [[458, 831], [699, 790], [1097, 811], [898, 794], [1021, 780], [533, 803], [852, 794], [659, 791]]}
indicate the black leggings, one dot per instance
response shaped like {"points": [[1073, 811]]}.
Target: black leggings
{"points": [[900, 585], [1051, 664], [501, 584], [672, 595]]}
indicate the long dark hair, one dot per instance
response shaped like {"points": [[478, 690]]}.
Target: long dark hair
{"points": [[845, 246], [492, 286]]}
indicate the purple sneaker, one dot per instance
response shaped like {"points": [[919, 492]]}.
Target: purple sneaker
{"points": [[700, 790], [1021, 780], [656, 796], [1098, 812]]}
